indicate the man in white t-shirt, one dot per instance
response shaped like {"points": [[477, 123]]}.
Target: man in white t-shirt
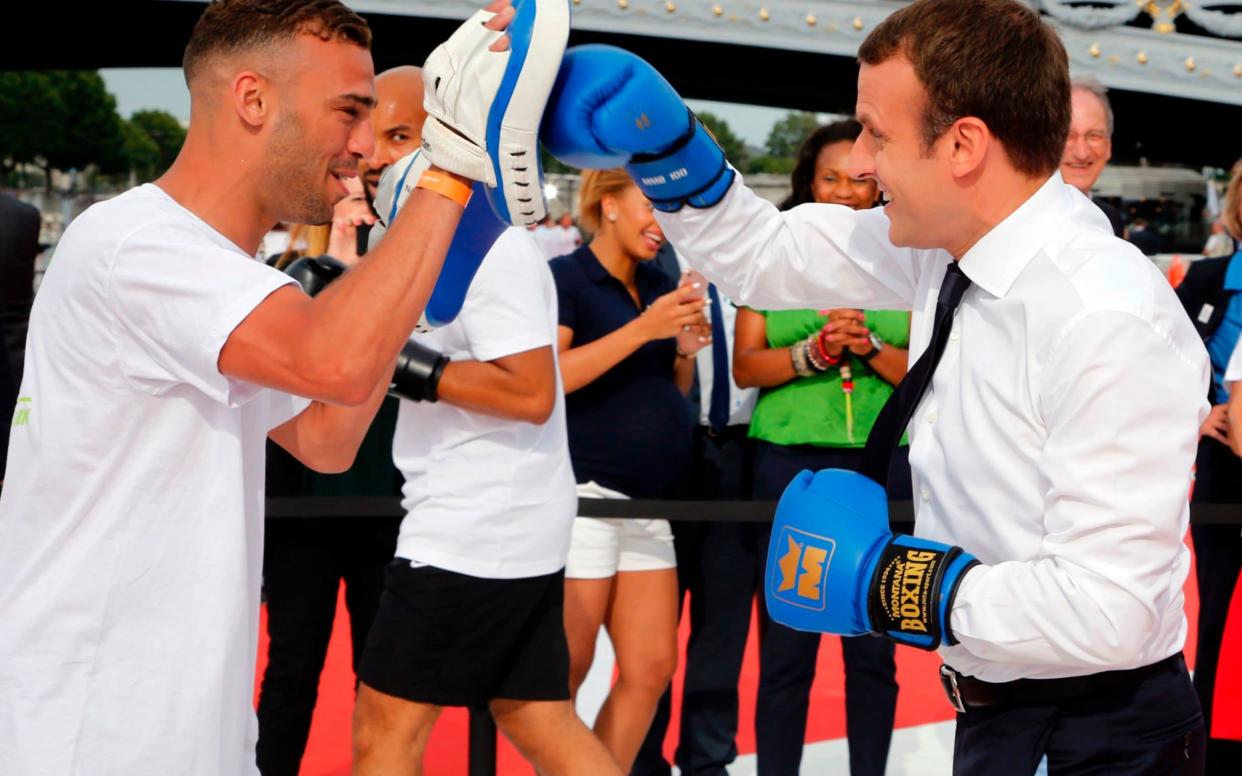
{"points": [[472, 610], [161, 355], [570, 236]]}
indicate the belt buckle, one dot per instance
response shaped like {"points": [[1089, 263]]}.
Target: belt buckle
{"points": [[948, 680]]}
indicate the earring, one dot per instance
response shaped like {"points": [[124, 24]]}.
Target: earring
{"points": [[612, 216]]}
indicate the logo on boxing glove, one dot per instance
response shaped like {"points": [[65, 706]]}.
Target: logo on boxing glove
{"points": [[802, 568]]}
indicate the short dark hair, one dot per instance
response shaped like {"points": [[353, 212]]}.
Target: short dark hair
{"points": [[995, 60], [231, 26], [803, 176]]}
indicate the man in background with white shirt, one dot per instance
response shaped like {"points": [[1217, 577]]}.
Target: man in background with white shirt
{"points": [[1055, 419]]}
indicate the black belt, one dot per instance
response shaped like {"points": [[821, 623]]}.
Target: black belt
{"points": [[967, 692]]}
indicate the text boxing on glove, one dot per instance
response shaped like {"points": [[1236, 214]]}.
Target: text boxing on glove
{"points": [[484, 107], [610, 108], [418, 373], [314, 274], [476, 232], [834, 566]]}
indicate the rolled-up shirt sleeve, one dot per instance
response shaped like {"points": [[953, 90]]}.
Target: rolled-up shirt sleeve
{"points": [[1121, 437], [811, 256]]}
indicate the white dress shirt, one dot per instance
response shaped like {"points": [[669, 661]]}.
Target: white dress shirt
{"points": [[1056, 440]]}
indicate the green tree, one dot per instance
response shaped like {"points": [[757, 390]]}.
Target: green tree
{"points": [[30, 113], [166, 132], [734, 148], [141, 154], [778, 165], [788, 134], [89, 133]]}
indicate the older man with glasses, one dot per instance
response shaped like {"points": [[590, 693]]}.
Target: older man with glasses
{"points": [[1089, 145]]}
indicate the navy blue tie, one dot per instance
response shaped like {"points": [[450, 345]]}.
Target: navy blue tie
{"points": [[718, 412]]}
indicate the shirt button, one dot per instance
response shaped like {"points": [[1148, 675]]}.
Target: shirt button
{"points": [[931, 417], [925, 496], [954, 335]]}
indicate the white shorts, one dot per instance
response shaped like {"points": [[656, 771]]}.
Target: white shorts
{"points": [[600, 547]]}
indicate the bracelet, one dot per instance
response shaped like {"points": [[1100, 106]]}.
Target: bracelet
{"points": [[814, 356], [445, 186], [798, 357], [823, 350], [683, 354]]}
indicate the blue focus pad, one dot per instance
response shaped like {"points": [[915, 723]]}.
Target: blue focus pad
{"points": [[693, 172], [826, 538], [476, 233]]}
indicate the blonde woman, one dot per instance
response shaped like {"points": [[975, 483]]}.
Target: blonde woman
{"points": [[626, 372]]}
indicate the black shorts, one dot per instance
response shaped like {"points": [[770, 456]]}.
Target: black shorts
{"points": [[450, 639]]}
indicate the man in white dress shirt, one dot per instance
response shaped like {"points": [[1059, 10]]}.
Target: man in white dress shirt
{"points": [[1056, 437]]}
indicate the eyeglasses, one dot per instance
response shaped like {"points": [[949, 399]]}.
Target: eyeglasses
{"points": [[1094, 139]]}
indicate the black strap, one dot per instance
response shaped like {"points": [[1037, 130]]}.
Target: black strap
{"points": [[895, 416]]}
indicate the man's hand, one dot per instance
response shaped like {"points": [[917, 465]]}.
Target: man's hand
{"points": [[1217, 424]]}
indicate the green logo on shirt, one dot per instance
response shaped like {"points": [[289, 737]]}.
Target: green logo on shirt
{"points": [[21, 416]]}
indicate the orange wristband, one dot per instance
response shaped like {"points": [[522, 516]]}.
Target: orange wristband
{"points": [[445, 186]]}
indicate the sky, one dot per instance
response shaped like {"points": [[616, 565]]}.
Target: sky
{"points": [[164, 89]]}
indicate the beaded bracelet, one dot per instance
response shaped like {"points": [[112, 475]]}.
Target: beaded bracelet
{"points": [[798, 356]]}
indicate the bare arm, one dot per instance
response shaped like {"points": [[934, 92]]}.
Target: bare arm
{"points": [[584, 364], [683, 373], [325, 437], [662, 319], [755, 365], [891, 363], [338, 346], [517, 387]]}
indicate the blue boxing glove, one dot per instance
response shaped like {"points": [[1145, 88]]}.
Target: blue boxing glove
{"points": [[476, 233], [610, 108], [834, 566]]}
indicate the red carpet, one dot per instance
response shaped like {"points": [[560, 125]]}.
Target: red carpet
{"points": [[920, 701]]}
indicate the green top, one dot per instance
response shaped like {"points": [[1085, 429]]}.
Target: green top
{"points": [[812, 410]]}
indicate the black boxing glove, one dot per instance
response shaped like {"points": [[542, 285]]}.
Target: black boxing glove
{"points": [[418, 373], [314, 274]]}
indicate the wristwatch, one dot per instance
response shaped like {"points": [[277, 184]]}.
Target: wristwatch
{"points": [[877, 345]]}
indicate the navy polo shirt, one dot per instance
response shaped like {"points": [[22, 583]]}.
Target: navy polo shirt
{"points": [[629, 430]]}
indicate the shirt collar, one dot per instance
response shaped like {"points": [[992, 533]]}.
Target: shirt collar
{"points": [[644, 278], [995, 262], [1233, 274]]}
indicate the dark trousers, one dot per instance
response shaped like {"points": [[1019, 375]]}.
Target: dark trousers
{"points": [[716, 567], [1218, 560], [787, 657], [1150, 727], [304, 561]]}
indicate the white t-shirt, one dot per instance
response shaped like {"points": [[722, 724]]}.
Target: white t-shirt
{"points": [[568, 238], [1233, 372], [131, 525], [487, 496]]}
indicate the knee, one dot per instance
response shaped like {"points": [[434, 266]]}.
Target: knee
{"points": [[650, 674]]}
